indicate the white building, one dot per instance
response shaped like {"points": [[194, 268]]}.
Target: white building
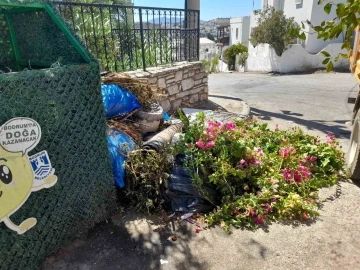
{"points": [[301, 11], [207, 49], [240, 30]]}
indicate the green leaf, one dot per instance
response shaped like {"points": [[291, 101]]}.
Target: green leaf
{"points": [[327, 8], [326, 61], [302, 36], [346, 45], [302, 25], [329, 67], [340, 10], [325, 53]]}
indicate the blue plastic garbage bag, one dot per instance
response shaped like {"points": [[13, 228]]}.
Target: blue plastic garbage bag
{"points": [[119, 145], [117, 101]]}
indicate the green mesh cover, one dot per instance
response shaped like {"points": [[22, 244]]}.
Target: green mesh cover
{"points": [[6, 53], [67, 104], [46, 42]]}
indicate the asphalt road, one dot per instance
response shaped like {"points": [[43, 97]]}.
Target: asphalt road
{"points": [[315, 102], [318, 103]]}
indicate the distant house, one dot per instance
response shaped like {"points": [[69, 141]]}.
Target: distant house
{"points": [[240, 30], [301, 11], [207, 49]]}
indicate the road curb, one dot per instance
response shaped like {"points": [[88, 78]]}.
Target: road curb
{"points": [[244, 108]]}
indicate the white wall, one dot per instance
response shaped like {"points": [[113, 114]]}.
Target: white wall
{"points": [[242, 25], [295, 59], [309, 10]]}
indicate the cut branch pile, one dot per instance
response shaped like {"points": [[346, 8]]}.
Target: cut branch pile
{"points": [[146, 93]]}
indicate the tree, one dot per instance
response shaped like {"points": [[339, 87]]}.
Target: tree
{"points": [[232, 51], [346, 20], [210, 36], [276, 29]]}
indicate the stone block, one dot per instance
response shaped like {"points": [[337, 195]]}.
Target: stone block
{"points": [[198, 82], [191, 73], [171, 81], [206, 89], [194, 98], [169, 77], [176, 104], [178, 76], [187, 84], [199, 76], [205, 80], [196, 90], [172, 90], [153, 80], [166, 105], [203, 97], [162, 82], [183, 94], [185, 76]]}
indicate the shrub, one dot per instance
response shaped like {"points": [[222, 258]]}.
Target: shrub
{"points": [[260, 174], [276, 29], [232, 51]]}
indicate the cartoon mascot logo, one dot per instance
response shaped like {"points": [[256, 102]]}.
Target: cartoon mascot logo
{"points": [[20, 174]]}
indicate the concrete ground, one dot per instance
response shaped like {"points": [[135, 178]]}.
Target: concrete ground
{"points": [[318, 103]]}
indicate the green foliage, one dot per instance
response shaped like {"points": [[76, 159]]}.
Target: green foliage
{"points": [[207, 65], [121, 49], [346, 20], [242, 58], [146, 171], [214, 64], [276, 29], [232, 51], [261, 175], [210, 36], [211, 66]]}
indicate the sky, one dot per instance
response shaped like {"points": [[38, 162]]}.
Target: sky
{"points": [[210, 9]]}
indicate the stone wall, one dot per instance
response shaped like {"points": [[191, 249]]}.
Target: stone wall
{"points": [[184, 83]]}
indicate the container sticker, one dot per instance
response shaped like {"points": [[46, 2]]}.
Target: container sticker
{"points": [[20, 174]]}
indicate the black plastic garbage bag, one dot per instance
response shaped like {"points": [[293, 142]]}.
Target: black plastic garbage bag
{"points": [[183, 196]]}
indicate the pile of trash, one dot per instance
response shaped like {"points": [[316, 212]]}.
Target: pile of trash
{"points": [[140, 131]]}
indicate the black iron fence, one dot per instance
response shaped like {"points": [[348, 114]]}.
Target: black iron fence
{"points": [[125, 38]]}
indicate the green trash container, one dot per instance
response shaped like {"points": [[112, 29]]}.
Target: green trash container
{"points": [[48, 81]]}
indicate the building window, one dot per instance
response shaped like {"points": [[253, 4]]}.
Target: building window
{"points": [[237, 33]]}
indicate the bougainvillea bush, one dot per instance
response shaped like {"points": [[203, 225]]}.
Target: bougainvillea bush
{"points": [[262, 175]]}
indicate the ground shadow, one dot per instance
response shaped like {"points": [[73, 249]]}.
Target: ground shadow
{"points": [[129, 241], [340, 131]]}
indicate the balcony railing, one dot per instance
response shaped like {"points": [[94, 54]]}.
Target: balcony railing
{"points": [[125, 38]]}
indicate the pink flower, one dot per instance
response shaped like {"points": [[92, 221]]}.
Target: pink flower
{"points": [[205, 146], [259, 219], [268, 209], [200, 144], [277, 127], [301, 174], [230, 126], [313, 158], [286, 151], [252, 213], [209, 145], [243, 164], [330, 138], [259, 151], [256, 162]]}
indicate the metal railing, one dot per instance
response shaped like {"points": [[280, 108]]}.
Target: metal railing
{"points": [[125, 38]]}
